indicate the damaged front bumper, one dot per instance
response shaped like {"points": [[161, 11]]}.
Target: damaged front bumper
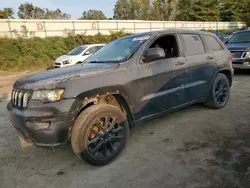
{"points": [[45, 125]]}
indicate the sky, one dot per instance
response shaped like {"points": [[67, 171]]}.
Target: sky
{"points": [[73, 7]]}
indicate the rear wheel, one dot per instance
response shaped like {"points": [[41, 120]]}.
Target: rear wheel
{"points": [[100, 134], [219, 93]]}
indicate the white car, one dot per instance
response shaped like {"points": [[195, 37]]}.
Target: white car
{"points": [[77, 55]]}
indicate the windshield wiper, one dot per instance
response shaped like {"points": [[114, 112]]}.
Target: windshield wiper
{"points": [[95, 62], [238, 42]]}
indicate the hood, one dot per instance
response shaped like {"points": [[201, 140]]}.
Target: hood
{"points": [[238, 46], [64, 58], [50, 79]]}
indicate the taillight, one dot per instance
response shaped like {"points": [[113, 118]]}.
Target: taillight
{"points": [[231, 58]]}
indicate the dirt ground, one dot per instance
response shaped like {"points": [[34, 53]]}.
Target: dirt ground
{"points": [[192, 148]]}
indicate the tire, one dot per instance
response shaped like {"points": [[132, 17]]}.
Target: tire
{"points": [[95, 131], [219, 93]]}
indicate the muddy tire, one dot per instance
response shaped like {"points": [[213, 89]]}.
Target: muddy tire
{"points": [[99, 134], [219, 93]]}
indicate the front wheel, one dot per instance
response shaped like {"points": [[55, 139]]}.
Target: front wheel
{"points": [[100, 134], [219, 93]]}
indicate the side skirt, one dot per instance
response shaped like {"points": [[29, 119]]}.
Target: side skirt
{"points": [[153, 116]]}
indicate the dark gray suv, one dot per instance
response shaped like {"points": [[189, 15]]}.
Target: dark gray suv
{"points": [[129, 81]]}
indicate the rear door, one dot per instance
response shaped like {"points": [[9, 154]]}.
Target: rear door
{"points": [[214, 46], [201, 66]]}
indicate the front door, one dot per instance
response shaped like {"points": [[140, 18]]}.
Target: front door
{"points": [[162, 82]]}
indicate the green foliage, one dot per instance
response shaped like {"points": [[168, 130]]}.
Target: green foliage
{"points": [[205, 10], [213, 10], [234, 10], [33, 53], [143, 9], [93, 15], [29, 11], [247, 20], [6, 13], [197, 10]]}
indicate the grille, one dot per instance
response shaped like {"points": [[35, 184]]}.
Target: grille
{"points": [[57, 63], [20, 98], [237, 54]]}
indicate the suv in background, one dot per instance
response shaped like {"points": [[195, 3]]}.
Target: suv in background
{"points": [[77, 55], [239, 46], [129, 81]]}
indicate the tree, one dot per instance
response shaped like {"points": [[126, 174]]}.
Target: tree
{"points": [[198, 10], [6, 13], [205, 10], [29, 11], [183, 10], [93, 15], [143, 9], [162, 9], [57, 14], [122, 10], [234, 10], [246, 18]]}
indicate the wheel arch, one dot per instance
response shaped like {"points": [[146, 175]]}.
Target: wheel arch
{"points": [[115, 96], [227, 72]]}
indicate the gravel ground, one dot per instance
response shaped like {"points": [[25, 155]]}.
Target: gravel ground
{"points": [[193, 148]]}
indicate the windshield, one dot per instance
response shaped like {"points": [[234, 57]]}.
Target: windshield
{"points": [[77, 50], [119, 50], [243, 37]]}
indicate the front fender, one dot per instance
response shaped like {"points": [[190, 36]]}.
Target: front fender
{"points": [[91, 96]]}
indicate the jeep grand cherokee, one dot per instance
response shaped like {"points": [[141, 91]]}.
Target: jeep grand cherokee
{"points": [[129, 81]]}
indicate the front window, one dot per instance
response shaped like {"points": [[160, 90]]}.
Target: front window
{"points": [[242, 37], [119, 50], [77, 50]]}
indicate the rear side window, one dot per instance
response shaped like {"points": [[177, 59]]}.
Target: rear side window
{"points": [[212, 44], [100, 47], [93, 49], [193, 44]]}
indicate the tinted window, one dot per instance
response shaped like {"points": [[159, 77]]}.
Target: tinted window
{"points": [[193, 44], [93, 49], [241, 37], [99, 47], [212, 44], [77, 50]]}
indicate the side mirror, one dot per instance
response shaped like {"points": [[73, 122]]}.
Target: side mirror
{"points": [[153, 54], [87, 53]]}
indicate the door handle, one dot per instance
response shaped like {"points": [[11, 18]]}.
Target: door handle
{"points": [[180, 63], [210, 57]]}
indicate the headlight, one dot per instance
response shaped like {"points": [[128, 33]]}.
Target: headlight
{"points": [[67, 62], [48, 95]]}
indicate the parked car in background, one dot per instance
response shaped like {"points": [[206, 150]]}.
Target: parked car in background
{"points": [[129, 81], [226, 36], [222, 38], [77, 55], [239, 46]]}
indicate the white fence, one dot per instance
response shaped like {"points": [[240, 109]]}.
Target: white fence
{"points": [[45, 28]]}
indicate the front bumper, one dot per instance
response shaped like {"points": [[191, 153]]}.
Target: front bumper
{"points": [[58, 116], [241, 63], [62, 66], [244, 65]]}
